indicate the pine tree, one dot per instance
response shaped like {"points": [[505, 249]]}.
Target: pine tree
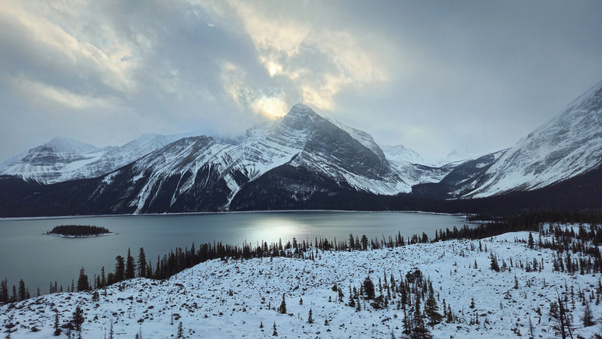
{"points": [[275, 333], [494, 264], [22, 290], [82, 282], [364, 242], [141, 263], [180, 331], [432, 310], [78, 320], [130, 267], [119, 269], [588, 319], [4, 291], [419, 330], [369, 288], [531, 242], [282, 308], [57, 329], [310, 319]]}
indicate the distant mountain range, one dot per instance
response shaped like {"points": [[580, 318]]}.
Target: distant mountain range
{"points": [[303, 161]]}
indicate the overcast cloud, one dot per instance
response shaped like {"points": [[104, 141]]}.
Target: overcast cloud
{"points": [[433, 76]]}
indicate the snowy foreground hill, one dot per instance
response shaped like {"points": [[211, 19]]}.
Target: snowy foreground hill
{"points": [[232, 299]]}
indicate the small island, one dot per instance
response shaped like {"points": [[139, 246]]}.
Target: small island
{"points": [[78, 231]]}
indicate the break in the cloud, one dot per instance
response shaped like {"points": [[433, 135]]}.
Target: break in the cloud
{"points": [[430, 75]]}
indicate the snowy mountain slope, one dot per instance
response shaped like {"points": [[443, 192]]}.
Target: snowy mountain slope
{"points": [[233, 298], [412, 167], [58, 160], [568, 145], [63, 159], [178, 176]]}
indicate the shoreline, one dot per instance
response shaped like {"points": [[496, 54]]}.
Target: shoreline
{"points": [[57, 235]]}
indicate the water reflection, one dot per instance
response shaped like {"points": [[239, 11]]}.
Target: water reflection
{"points": [[37, 259]]}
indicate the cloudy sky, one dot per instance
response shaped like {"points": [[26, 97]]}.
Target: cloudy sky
{"points": [[433, 76]]}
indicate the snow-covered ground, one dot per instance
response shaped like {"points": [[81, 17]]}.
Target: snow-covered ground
{"points": [[230, 299]]}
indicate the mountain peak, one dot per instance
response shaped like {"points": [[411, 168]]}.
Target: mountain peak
{"points": [[67, 145], [301, 110]]}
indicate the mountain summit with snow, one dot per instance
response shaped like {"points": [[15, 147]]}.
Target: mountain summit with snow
{"points": [[565, 147], [303, 161]]}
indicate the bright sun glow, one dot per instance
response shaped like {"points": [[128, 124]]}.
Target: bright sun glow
{"points": [[273, 108]]}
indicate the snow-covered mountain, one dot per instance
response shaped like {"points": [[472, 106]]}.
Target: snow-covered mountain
{"points": [[201, 173], [567, 146], [63, 159]]}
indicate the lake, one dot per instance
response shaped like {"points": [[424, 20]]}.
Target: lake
{"points": [[27, 253]]}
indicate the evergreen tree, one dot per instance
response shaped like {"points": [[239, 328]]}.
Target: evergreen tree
{"points": [[4, 291], [407, 323], [419, 330], [432, 310], [130, 267], [119, 269], [57, 329], [494, 264], [369, 288], [275, 333], [103, 279], [22, 290], [180, 331], [588, 318], [364, 242], [141, 263], [562, 318], [282, 308], [78, 320], [531, 242], [82, 282]]}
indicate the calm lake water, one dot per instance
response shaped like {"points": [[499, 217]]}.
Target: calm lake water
{"points": [[26, 253]]}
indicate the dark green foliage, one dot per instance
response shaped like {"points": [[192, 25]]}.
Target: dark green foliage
{"points": [[4, 298], [141, 263], [431, 309], [588, 318], [79, 230], [119, 269], [180, 331], [310, 319], [275, 333], [82, 282], [494, 264], [282, 308], [22, 290], [78, 320], [419, 330], [368, 288], [364, 242], [57, 329], [531, 243], [130, 266]]}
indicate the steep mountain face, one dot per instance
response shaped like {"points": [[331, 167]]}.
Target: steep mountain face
{"points": [[413, 168], [63, 159], [202, 174], [459, 179], [567, 146], [199, 173]]}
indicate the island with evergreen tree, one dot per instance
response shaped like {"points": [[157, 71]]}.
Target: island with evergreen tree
{"points": [[78, 231]]}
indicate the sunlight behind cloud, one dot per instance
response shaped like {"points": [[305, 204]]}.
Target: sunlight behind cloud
{"points": [[270, 107], [338, 60]]}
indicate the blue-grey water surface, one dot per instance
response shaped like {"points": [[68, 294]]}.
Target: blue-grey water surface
{"points": [[26, 253]]}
